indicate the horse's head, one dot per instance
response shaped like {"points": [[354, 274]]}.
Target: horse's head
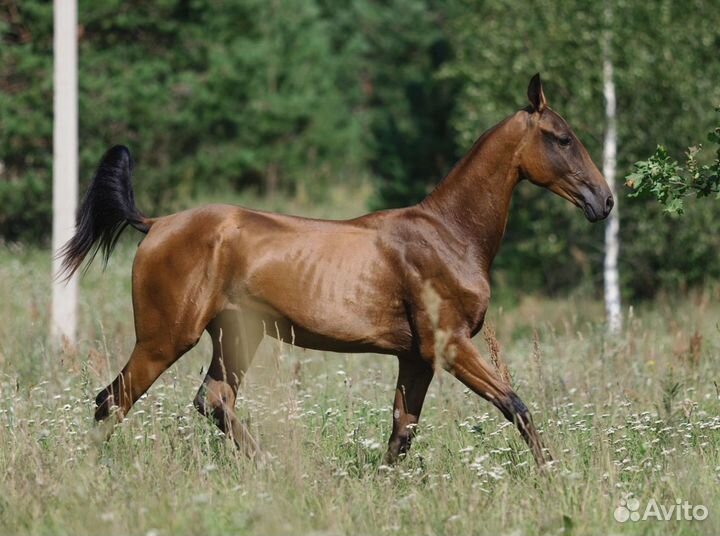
{"points": [[554, 158]]}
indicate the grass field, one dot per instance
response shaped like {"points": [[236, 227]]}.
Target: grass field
{"points": [[635, 416]]}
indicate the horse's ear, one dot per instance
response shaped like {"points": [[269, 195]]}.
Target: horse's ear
{"points": [[536, 95]]}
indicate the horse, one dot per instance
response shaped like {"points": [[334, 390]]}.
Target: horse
{"points": [[412, 282]]}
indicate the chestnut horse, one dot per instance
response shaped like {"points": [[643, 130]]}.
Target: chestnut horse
{"points": [[412, 282]]}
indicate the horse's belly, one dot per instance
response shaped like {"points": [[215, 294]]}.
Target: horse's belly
{"points": [[331, 327], [331, 290]]}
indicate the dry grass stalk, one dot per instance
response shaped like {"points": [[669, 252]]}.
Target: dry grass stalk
{"points": [[537, 356], [695, 348], [689, 352], [494, 349]]}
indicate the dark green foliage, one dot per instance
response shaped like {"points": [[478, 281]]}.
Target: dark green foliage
{"points": [[548, 244], [412, 142], [209, 96], [677, 188], [664, 253], [25, 120], [666, 63], [662, 176], [290, 96]]}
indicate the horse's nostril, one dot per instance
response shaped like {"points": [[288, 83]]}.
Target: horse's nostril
{"points": [[609, 203]]}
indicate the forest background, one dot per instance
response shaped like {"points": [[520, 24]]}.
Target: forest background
{"points": [[312, 101]]}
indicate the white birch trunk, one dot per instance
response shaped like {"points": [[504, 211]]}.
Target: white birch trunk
{"points": [[613, 307], [65, 166]]}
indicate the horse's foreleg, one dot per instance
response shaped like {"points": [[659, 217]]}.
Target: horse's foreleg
{"points": [[470, 368], [414, 378]]}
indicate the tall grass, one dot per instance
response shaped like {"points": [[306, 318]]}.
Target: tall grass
{"points": [[634, 416]]}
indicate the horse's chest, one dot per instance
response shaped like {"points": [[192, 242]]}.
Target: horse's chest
{"points": [[478, 323], [471, 301]]}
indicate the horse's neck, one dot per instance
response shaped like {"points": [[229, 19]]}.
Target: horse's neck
{"points": [[473, 200]]}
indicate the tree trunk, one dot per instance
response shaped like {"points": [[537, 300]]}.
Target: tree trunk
{"points": [[612, 239]]}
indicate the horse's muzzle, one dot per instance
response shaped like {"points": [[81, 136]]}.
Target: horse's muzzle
{"points": [[599, 208]]}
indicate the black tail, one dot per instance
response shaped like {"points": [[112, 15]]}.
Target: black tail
{"points": [[108, 207]]}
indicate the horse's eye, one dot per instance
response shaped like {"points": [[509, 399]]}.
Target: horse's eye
{"points": [[564, 141]]}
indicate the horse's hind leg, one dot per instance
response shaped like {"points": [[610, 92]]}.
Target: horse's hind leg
{"points": [[148, 360], [164, 327], [234, 344]]}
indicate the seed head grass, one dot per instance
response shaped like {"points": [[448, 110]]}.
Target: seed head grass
{"points": [[633, 416]]}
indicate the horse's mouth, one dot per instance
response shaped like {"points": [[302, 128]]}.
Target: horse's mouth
{"points": [[579, 200], [590, 213]]}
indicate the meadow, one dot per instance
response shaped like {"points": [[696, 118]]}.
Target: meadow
{"points": [[634, 416]]}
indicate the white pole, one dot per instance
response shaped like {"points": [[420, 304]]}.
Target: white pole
{"points": [[612, 228], [65, 165]]}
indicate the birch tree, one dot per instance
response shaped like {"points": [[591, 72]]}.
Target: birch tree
{"points": [[611, 275]]}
